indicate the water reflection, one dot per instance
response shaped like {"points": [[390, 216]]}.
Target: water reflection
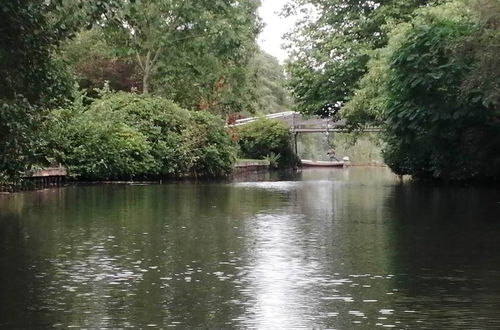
{"points": [[324, 248], [302, 275]]}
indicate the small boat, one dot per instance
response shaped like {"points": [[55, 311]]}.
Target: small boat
{"points": [[319, 163]]}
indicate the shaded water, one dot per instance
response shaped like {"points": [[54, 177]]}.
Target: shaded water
{"points": [[341, 249]]}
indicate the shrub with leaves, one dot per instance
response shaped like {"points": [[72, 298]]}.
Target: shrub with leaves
{"points": [[98, 146], [125, 135], [160, 120], [208, 146], [265, 137]]}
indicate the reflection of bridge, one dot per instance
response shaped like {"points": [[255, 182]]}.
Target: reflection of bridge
{"points": [[300, 124]]}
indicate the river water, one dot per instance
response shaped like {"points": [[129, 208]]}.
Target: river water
{"points": [[343, 249]]}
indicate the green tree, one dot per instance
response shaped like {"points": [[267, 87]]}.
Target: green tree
{"points": [[483, 46], [194, 52], [29, 79], [32, 79], [437, 125], [332, 44], [272, 94]]}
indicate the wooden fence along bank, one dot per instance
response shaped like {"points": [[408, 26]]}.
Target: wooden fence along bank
{"points": [[37, 179], [57, 176]]}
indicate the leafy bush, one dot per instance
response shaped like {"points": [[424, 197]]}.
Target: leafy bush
{"points": [[433, 131], [98, 146], [124, 135], [160, 120], [209, 147], [273, 159], [265, 137]]}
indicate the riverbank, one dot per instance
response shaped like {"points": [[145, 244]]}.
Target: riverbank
{"points": [[59, 176], [250, 165]]}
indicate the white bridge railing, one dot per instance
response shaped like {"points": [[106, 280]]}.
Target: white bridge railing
{"points": [[277, 115], [299, 124]]}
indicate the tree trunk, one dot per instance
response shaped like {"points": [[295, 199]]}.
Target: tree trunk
{"points": [[146, 73], [145, 86]]}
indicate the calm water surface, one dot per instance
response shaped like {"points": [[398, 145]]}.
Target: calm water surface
{"points": [[344, 249]]}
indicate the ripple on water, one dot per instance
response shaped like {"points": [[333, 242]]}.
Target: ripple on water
{"points": [[310, 254]]}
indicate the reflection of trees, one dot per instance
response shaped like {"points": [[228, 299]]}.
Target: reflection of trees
{"points": [[457, 224], [203, 254], [446, 242], [114, 254], [20, 288], [350, 206]]}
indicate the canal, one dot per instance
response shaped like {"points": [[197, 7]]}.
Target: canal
{"points": [[343, 249]]}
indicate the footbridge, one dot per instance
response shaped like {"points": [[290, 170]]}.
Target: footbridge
{"points": [[299, 123]]}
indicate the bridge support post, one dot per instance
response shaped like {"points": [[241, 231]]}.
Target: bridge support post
{"points": [[295, 148]]}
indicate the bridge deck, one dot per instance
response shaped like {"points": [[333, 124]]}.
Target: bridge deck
{"points": [[300, 124], [330, 129]]}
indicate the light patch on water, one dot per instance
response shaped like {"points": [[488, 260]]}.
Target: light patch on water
{"points": [[271, 185], [357, 313], [345, 299]]}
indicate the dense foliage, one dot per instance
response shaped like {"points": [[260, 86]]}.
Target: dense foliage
{"points": [[427, 71], [196, 53], [125, 136], [265, 138], [272, 93], [435, 95], [29, 79], [32, 78], [332, 44], [95, 63]]}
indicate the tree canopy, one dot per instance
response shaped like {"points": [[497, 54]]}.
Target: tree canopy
{"points": [[30, 78], [195, 53], [272, 92], [424, 71], [434, 89], [332, 43]]}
